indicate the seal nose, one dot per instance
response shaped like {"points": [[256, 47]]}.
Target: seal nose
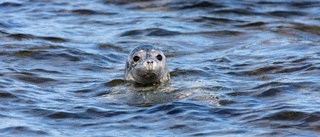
{"points": [[150, 65]]}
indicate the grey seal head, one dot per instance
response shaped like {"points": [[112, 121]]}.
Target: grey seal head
{"points": [[146, 64]]}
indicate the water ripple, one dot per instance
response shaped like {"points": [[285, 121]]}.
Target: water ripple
{"points": [[238, 68]]}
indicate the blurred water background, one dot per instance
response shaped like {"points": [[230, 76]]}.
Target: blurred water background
{"points": [[238, 68]]}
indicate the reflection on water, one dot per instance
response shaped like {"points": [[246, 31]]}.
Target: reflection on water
{"points": [[238, 68]]}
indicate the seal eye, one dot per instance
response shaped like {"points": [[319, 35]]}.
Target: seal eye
{"points": [[136, 58], [159, 57]]}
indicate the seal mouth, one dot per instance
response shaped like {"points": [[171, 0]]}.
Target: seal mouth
{"points": [[149, 75]]}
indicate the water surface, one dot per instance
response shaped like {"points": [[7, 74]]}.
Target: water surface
{"points": [[238, 68]]}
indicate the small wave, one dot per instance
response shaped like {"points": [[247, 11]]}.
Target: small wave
{"points": [[253, 24], [286, 13], [180, 72], [20, 36], [195, 4], [168, 5], [22, 130], [293, 119], [10, 4], [29, 77], [269, 92], [6, 95], [91, 12], [150, 32]]}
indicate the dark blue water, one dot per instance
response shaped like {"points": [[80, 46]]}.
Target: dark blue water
{"points": [[238, 68]]}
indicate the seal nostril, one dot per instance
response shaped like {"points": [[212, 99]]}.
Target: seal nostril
{"points": [[149, 62]]}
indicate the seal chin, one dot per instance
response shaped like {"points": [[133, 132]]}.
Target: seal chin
{"points": [[147, 78]]}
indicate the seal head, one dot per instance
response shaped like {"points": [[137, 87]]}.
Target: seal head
{"points": [[146, 64]]}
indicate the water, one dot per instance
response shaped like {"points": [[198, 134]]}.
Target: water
{"points": [[238, 68]]}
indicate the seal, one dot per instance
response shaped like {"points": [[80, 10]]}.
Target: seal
{"points": [[146, 64]]}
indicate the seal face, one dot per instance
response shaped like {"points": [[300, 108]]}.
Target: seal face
{"points": [[146, 64]]}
